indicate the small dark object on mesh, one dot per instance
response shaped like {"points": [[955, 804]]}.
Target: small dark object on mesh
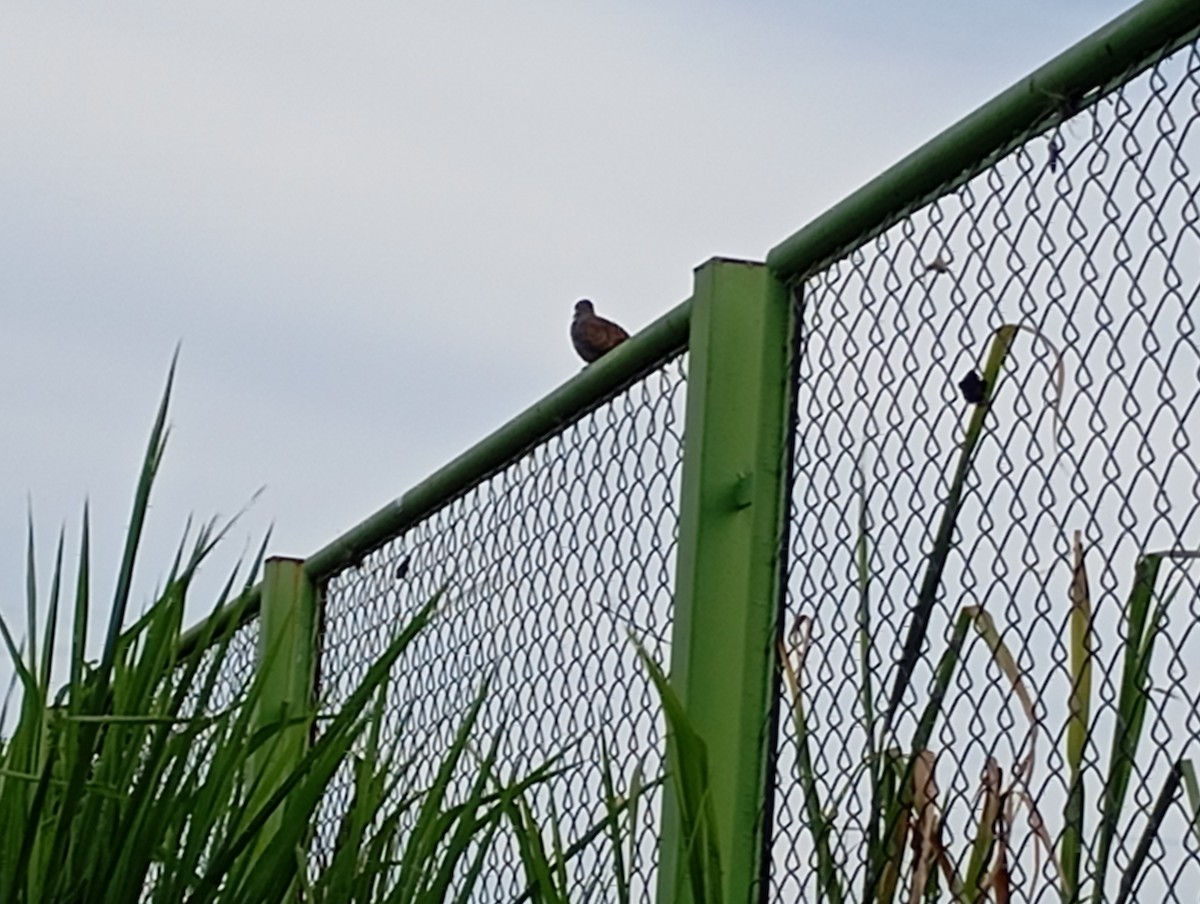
{"points": [[938, 265], [402, 568], [974, 388], [593, 336], [1054, 156]]}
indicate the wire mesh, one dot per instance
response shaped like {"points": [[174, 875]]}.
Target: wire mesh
{"points": [[548, 566], [1089, 236], [236, 671]]}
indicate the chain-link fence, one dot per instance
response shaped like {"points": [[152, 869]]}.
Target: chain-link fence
{"points": [[239, 659], [988, 597], [1088, 237], [547, 568]]}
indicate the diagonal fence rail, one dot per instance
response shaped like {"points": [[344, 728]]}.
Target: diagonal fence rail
{"points": [[980, 594]]}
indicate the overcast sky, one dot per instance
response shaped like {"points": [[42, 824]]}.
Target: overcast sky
{"points": [[367, 223]]}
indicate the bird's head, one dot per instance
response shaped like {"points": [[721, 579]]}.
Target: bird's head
{"points": [[584, 308]]}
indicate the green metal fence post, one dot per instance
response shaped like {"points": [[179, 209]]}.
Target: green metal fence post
{"points": [[286, 656], [727, 582]]}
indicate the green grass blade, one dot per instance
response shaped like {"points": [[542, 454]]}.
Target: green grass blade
{"points": [[29, 752], [163, 761], [471, 825], [892, 807], [271, 874], [23, 671], [339, 876], [31, 620], [866, 682], [1165, 798], [1187, 769], [427, 834], [895, 794], [637, 789], [875, 853], [688, 758], [1143, 622], [1078, 718], [544, 880], [345, 871], [459, 826], [943, 540], [949, 661], [96, 699], [322, 757], [612, 822], [79, 633], [51, 629], [822, 828], [483, 840], [982, 848], [23, 870], [137, 521]]}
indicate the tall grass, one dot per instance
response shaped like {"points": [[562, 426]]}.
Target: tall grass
{"points": [[130, 783], [902, 846]]}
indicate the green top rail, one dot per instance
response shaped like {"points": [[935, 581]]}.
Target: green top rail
{"points": [[1070, 82], [565, 405]]}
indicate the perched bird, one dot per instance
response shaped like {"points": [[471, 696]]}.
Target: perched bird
{"points": [[591, 335], [974, 388]]}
